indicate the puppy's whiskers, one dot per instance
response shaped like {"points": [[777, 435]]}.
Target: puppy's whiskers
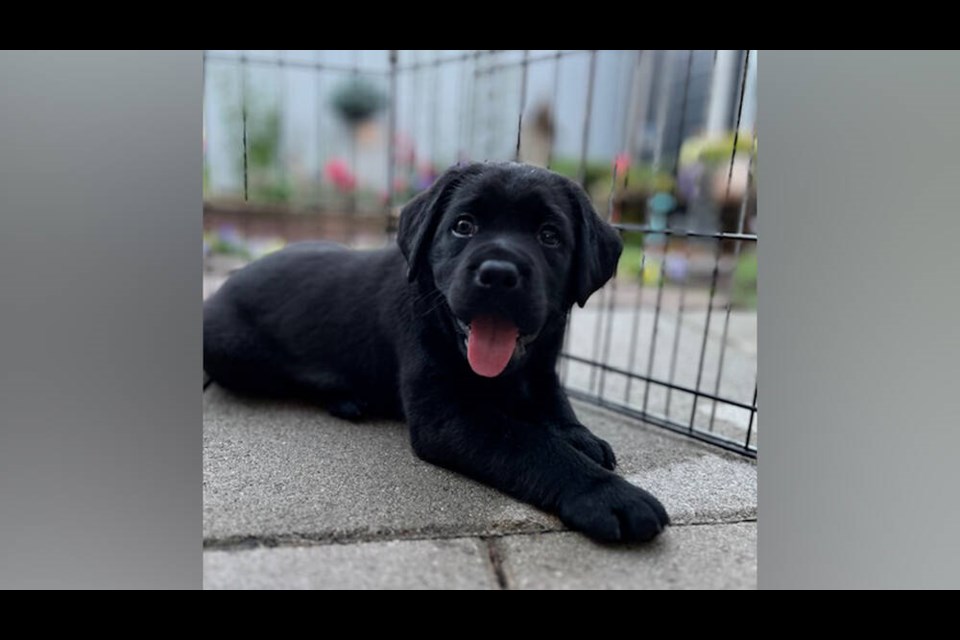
{"points": [[427, 295], [442, 302]]}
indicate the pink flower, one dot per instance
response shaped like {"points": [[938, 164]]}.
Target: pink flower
{"points": [[337, 172], [622, 163]]}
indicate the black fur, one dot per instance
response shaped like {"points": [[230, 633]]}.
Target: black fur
{"points": [[376, 333]]}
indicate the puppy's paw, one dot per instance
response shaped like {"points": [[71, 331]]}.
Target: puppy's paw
{"points": [[345, 409], [614, 510], [580, 438]]}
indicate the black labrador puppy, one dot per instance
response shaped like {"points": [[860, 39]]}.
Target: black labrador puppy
{"points": [[457, 330]]}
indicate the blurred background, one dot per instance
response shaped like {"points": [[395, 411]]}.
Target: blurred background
{"points": [[330, 144]]}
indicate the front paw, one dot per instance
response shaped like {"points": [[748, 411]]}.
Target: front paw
{"points": [[614, 510], [345, 409], [580, 438]]}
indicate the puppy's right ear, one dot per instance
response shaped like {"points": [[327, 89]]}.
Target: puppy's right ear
{"points": [[419, 218]]}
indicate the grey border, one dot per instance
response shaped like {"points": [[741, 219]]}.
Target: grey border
{"points": [[100, 341], [859, 158]]}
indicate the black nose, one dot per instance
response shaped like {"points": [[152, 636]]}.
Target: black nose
{"points": [[498, 274]]}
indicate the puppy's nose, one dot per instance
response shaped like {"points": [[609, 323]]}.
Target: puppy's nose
{"points": [[498, 274]]}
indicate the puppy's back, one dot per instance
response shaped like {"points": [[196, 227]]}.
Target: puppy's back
{"points": [[312, 306]]}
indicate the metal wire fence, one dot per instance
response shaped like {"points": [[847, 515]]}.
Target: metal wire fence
{"points": [[661, 140]]}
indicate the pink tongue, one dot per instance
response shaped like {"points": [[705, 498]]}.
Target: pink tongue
{"points": [[491, 344]]}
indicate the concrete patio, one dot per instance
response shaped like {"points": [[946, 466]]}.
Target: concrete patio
{"points": [[296, 499]]}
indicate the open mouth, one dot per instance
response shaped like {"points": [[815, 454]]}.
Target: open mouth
{"points": [[492, 342]]}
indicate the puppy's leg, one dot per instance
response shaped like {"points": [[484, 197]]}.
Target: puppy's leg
{"points": [[556, 412], [582, 439], [530, 461], [330, 390]]}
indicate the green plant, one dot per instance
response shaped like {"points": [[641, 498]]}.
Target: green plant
{"points": [[632, 238], [223, 246], [263, 161], [744, 287], [716, 151], [599, 175], [263, 137], [629, 265], [570, 168]]}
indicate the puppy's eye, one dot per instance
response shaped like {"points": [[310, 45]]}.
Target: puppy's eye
{"points": [[549, 236], [464, 227]]}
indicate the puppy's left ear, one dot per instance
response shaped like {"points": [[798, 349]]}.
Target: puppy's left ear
{"points": [[419, 218], [598, 248]]}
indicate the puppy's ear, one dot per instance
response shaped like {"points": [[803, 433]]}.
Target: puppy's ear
{"points": [[598, 248], [419, 218]]}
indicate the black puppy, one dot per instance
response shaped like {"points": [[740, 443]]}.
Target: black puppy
{"points": [[457, 331]]}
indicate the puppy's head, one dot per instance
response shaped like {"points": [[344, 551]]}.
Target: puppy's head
{"points": [[511, 248]]}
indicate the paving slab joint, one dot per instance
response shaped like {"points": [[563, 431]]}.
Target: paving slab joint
{"points": [[495, 555]]}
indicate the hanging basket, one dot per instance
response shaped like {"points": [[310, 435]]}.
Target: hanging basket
{"points": [[357, 101]]}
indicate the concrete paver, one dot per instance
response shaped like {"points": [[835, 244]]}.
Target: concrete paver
{"points": [[280, 471], [691, 557], [408, 564]]}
